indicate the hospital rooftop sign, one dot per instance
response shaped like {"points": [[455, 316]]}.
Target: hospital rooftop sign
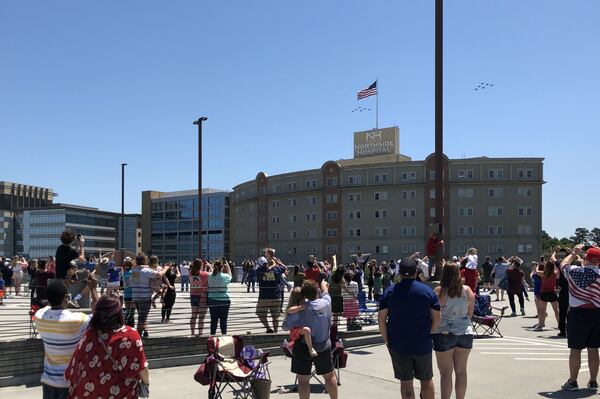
{"points": [[375, 142]]}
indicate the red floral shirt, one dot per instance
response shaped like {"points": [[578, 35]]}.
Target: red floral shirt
{"points": [[91, 372]]}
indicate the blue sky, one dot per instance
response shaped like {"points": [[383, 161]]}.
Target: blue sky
{"points": [[87, 85]]}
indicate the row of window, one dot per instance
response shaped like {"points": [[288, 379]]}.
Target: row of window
{"points": [[495, 173], [497, 248], [187, 203]]}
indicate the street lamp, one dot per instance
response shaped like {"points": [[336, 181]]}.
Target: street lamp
{"points": [[122, 235], [439, 120], [198, 122]]}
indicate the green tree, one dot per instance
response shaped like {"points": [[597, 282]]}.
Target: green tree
{"points": [[595, 235], [581, 235], [548, 242]]}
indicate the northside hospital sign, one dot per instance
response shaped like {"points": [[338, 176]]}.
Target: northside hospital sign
{"points": [[375, 142]]}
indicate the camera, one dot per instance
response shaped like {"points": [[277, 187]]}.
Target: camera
{"points": [[78, 236]]}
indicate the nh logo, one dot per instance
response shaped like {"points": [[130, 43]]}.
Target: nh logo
{"points": [[374, 136]]}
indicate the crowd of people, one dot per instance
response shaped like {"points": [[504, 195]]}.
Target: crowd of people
{"points": [[103, 355]]}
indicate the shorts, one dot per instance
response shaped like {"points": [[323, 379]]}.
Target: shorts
{"points": [[337, 304], [197, 301], [113, 284], [127, 298], [445, 342], [409, 367], [549, 296], [143, 308], [583, 328], [302, 361], [264, 306]]}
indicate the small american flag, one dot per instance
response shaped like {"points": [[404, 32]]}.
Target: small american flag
{"points": [[369, 91], [584, 284]]}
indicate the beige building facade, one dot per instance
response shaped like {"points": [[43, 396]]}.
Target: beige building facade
{"points": [[384, 205]]}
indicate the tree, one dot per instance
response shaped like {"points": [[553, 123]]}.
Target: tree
{"points": [[595, 235], [581, 235], [548, 242]]}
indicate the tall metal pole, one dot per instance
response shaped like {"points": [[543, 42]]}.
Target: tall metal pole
{"points": [[199, 123], [439, 115], [122, 234]]}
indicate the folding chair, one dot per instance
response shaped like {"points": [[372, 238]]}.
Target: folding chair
{"points": [[366, 313], [226, 367], [484, 320], [339, 356]]}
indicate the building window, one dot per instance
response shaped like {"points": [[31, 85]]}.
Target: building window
{"points": [[496, 248], [292, 218], [275, 204], [413, 176], [497, 192], [274, 220], [524, 248], [468, 211], [354, 179], [495, 211], [292, 235], [291, 250], [311, 200], [496, 173], [524, 229], [495, 230], [292, 202], [331, 249], [465, 230], [526, 173], [331, 198], [431, 212], [461, 174], [381, 231], [525, 211], [275, 235], [381, 213], [404, 176], [331, 215], [275, 188], [354, 197], [381, 249], [465, 193], [355, 232], [432, 193], [331, 232], [432, 175], [380, 195], [525, 192], [331, 181]]}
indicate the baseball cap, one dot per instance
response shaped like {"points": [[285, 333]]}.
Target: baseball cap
{"points": [[455, 258], [407, 267], [262, 261], [593, 255]]}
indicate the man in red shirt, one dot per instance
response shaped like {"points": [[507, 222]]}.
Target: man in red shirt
{"points": [[433, 243], [312, 271]]}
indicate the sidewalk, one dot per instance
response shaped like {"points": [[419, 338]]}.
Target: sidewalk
{"points": [[523, 364]]}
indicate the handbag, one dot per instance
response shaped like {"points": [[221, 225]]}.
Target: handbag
{"points": [[143, 390]]}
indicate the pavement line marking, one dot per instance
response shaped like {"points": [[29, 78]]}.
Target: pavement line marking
{"points": [[534, 342], [562, 359], [518, 348], [519, 353]]}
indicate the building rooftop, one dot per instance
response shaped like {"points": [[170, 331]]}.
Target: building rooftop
{"points": [[184, 193]]}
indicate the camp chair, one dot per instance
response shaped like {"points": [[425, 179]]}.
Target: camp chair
{"points": [[33, 333], [225, 367], [339, 356], [484, 321], [366, 313]]}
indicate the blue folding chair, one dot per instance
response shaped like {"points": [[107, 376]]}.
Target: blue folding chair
{"points": [[484, 321], [366, 314]]}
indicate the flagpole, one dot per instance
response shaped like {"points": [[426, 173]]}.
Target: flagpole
{"points": [[377, 104]]}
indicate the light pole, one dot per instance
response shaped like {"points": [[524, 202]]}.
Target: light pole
{"points": [[439, 120], [198, 122], [122, 235]]}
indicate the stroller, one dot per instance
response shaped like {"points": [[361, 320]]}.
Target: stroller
{"points": [[225, 366]]}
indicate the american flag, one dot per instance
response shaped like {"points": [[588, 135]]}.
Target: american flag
{"points": [[369, 91], [584, 284]]}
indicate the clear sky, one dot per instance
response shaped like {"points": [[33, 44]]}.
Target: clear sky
{"points": [[85, 86]]}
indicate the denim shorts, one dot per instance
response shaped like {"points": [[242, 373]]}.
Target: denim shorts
{"points": [[445, 342]]}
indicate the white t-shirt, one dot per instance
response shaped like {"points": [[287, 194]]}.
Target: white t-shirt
{"points": [[472, 262], [352, 287], [424, 267], [140, 283], [184, 270]]}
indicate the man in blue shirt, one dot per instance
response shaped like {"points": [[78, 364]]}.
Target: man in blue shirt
{"points": [[317, 316], [268, 276], [408, 312]]}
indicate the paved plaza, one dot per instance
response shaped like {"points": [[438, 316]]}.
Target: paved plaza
{"points": [[522, 364]]}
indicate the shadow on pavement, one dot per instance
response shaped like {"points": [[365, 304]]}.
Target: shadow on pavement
{"points": [[568, 394]]}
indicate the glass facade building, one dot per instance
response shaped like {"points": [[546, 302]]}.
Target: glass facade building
{"points": [[14, 198], [42, 229], [170, 224]]}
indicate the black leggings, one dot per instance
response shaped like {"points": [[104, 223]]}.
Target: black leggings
{"points": [[168, 305], [563, 308], [219, 311], [511, 301]]}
